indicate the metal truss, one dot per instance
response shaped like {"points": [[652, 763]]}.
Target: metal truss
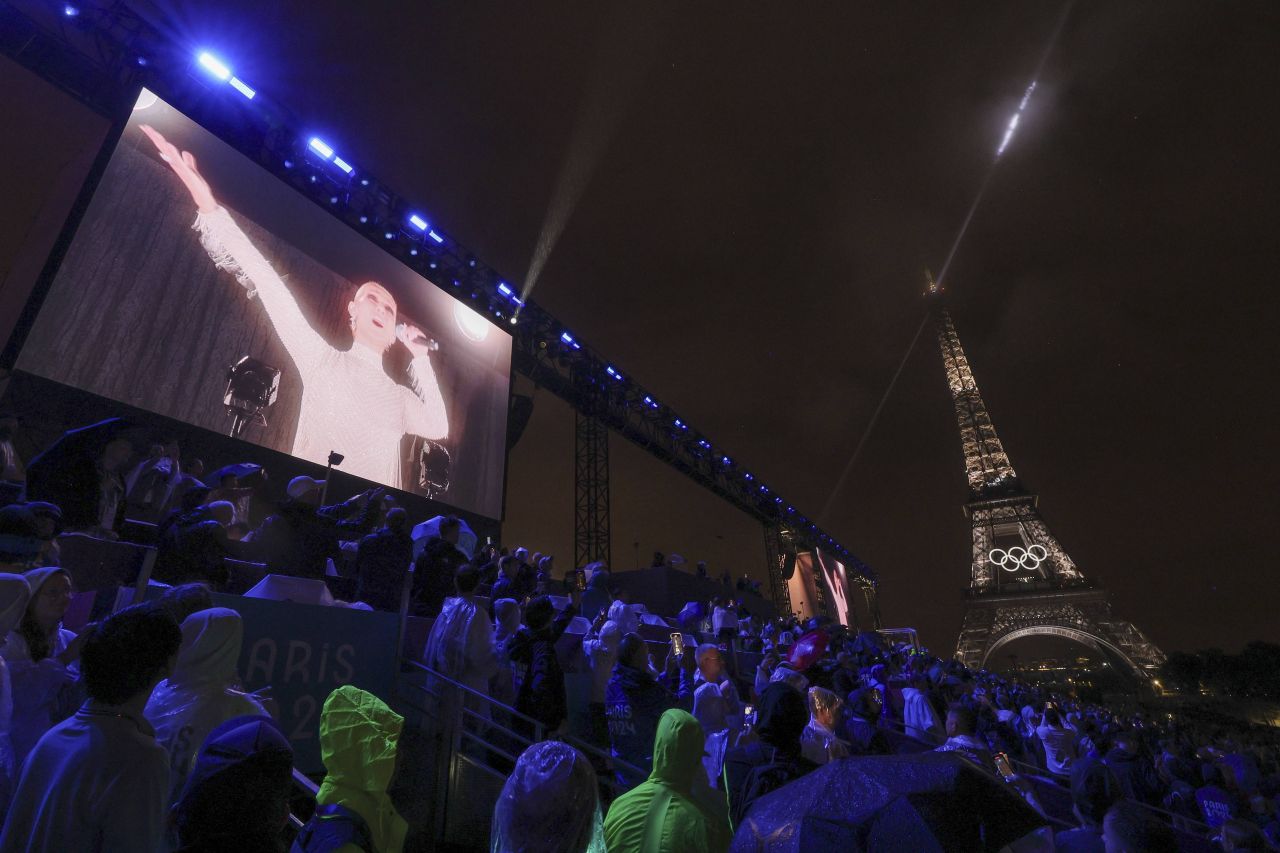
{"points": [[590, 481]]}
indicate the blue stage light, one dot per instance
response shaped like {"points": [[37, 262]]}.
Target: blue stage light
{"points": [[434, 236], [389, 235], [214, 66], [364, 220], [417, 222], [615, 374], [242, 87], [318, 145], [704, 444], [505, 290], [650, 402], [288, 164], [680, 424], [748, 476], [725, 460], [344, 165], [764, 488], [413, 251], [568, 339], [777, 500], [70, 11]]}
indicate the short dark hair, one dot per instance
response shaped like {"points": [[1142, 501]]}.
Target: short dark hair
{"points": [[539, 612], [397, 518], [966, 718], [182, 601], [449, 524], [631, 645], [467, 577], [124, 655], [1137, 830]]}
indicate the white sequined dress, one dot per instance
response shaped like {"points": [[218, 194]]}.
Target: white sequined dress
{"points": [[349, 403]]}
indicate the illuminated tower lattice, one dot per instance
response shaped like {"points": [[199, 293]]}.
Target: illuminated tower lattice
{"points": [[1022, 583]]}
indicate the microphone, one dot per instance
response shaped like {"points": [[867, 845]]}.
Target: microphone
{"points": [[416, 337]]}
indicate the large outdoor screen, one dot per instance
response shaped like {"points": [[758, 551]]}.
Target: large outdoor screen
{"points": [[192, 259]]}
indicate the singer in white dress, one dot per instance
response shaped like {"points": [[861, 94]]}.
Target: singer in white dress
{"points": [[349, 403]]}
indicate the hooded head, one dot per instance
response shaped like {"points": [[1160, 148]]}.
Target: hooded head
{"points": [[677, 750], [709, 708], [781, 717], [49, 601], [549, 803], [507, 613], [211, 641], [359, 736], [239, 786], [824, 706], [14, 595], [610, 637]]}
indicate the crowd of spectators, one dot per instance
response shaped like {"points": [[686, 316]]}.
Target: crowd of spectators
{"points": [[135, 734]]}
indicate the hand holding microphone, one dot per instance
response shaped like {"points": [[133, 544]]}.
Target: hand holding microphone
{"points": [[415, 339]]}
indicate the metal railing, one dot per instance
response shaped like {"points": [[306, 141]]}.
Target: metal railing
{"points": [[465, 744]]}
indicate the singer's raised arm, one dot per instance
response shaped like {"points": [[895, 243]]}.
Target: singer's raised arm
{"points": [[230, 248]]}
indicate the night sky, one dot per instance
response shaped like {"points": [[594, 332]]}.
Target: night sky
{"points": [[751, 246]]}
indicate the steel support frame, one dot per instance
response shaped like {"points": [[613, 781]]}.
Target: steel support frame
{"points": [[590, 481]]}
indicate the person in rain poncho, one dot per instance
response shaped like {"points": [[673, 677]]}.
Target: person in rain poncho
{"points": [[635, 701], [661, 814], [820, 743], [627, 620], [918, 714], [549, 804], [595, 598], [237, 795], [460, 645], [201, 693], [600, 645], [99, 781], [533, 651], [40, 654], [506, 623], [711, 710], [359, 736], [14, 595]]}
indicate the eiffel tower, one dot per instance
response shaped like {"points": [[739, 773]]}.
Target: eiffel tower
{"points": [[1022, 581]]}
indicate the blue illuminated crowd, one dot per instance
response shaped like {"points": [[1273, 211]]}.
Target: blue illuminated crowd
{"points": [[134, 733]]}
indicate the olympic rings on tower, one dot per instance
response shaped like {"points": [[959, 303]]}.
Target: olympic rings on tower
{"points": [[1017, 557]]}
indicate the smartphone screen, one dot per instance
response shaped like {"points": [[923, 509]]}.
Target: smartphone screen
{"points": [[1003, 765], [677, 643], [581, 580], [749, 714]]}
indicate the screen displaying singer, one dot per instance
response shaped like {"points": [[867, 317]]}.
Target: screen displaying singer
{"points": [[348, 400], [191, 258]]}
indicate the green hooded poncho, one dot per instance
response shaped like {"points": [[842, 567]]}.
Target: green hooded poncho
{"points": [[358, 737], [682, 827]]}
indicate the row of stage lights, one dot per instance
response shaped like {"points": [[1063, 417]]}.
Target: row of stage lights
{"points": [[417, 227]]}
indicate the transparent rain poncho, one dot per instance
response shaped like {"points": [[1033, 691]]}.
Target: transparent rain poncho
{"points": [[550, 804]]}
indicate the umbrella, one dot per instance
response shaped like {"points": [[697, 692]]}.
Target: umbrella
{"points": [[926, 802], [75, 446], [808, 649], [431, 527], [240, 469]]}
